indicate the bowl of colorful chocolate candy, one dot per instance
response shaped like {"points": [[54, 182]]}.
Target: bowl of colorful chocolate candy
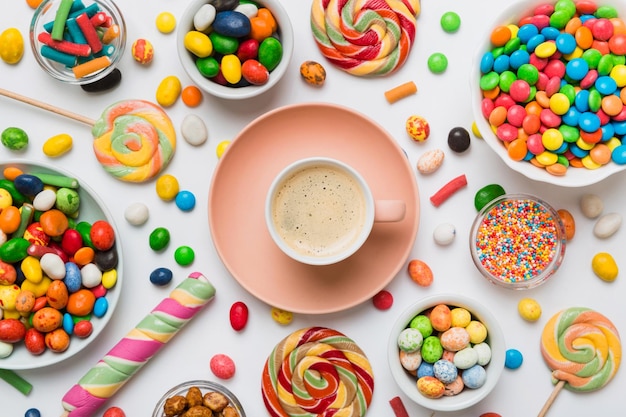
{"points": [[203, 398], [232, 49], [446, 352], [78, 41], [61, 265], [517, 241], [548, 89]]}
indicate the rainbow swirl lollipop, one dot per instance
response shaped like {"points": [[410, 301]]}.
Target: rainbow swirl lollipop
{"points": [[365, 37], [317, 372], [582, 347], [134, 140]]}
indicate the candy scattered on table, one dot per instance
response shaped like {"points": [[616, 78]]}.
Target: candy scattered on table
{"points": [[458, 139], [604, 266], [11, 46], [607, 225], [142, 51], [184, 255], [168, 91], [313, 73], [487, 194], [420, 272], [401, 91], [418, 128], [449, 189], [281, 316], [159, 238], [14, 138], [383, 300], [437, 63], [161, 276], [238, 315], [430, 161], [568, 223], [513, 359], [450, 22], [137, 213], [591, 206], [191, 96], [165, 22], [222, 366], [57, 145], [15, 380], [529, 309], [194, 130], [185, 200], [398, 407], [444, 234], [114, 412]]}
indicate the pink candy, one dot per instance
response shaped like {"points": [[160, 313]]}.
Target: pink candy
{"points": [[222, 366]]}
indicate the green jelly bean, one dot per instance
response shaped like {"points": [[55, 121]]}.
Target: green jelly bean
{"points": [[270, 53], [224, 44], [18, 198], [570, 133], [208, 67], [159, 238], [84, 228], [14, 138], [489, 81], [605, 64], [184, 255], [528, 73], [14, 249], [506, 79], [606, 12], [592, 57]]}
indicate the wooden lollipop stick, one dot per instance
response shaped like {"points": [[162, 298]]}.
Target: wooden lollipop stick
{"points": [[557, 388], [47, 107]]}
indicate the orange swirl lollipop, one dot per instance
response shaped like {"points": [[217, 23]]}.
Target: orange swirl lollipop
{"points": [[365, 37], [317, 371], [583, 349]]}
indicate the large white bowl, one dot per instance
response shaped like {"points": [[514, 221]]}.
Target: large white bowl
{"points": [[92, 208], [285, 34], [575, 177], [468, 397]]}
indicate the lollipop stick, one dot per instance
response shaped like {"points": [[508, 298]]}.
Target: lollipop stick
{"points": [[557, 388], [47, 107]]}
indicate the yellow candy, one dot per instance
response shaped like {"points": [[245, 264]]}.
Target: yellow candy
{"points": [[547, 158], [8, 296], [578, 52], [613, 143], [618, 73], [198, 43], [559, 103], [11, 46], [5, 199], [109, 278], [165, 22], [221, 148], [167, 187], [168, 91], [589, 163], [37, 289], [57, 145], [231, 68], [545, 49], [604, 266], [460, 317], [584, 145], [475, 131], [529, 309], [281, 316], [552, 139], [477, 331], [32, 269]]}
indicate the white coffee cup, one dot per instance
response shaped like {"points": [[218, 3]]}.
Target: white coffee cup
{"points": [[320, 211]]}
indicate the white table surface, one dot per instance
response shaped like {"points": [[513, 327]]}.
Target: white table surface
{"points": [[444, 100]]}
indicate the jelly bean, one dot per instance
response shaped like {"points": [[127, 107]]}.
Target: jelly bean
{"points": [[425, 369], [184, 255], [168, 91], [34, 341], [410, 340], [57, 295], [57, 145], [604, 266], [417, 128], [420, 273], [607, 225], [185, 200], [281, 316], [270, 53], [254, 72], [14, 250], [198, 43], [382, 300], [67, 201], [313, 73], [430, 161], [72, 279], [83, 329], [10, 219], [102, 235], [204, 17], [57, 340], [29, 185], [11, 330], [81, 302], [221, 148], [238, 315], [222, 366], [231, 23], [38, 289], [114, 412], [159, 238], [431, 349], [14, 138], [161, 276], [137, 213], [231, 67], [44, 200], [54, 222], [11, 46], [109, 278], [194, 130], [568, 223], [100, 307], [68, 323], [47, 319], [165, 22], [91, 275]]}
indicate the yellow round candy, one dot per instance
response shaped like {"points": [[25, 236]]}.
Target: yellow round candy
{"points": [[552, 139], [559, 103], [618, 73], [167, 187], [613, 143], [604, 266], [529, 309], [221, 148], [165, 22], [477, 331], [6, 199], [475, 131], [11, 46], [460, 317], [545, 49], [282, 316], [589, 163], [546, 158]]}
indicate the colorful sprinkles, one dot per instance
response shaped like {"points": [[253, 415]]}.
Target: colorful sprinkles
{"points": [[517, 240]]}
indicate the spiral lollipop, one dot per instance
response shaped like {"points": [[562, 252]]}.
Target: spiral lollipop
{"points": [[317, 371], [365, 37], [582, 348]]}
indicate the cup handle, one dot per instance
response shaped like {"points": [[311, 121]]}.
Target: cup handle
{"points": [[387, 211]]}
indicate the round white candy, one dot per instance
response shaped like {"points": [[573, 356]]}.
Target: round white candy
{"points": [[136, 214], [90, 275], [5, 349], [444, 234], [194, 130], [591, 205]]}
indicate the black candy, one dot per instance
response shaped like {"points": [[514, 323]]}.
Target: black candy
{"points": [[111, 80], [459, 139], [221, 5]]}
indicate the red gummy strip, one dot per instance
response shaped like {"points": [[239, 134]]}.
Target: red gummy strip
{"points": [[447, 190], [398, 407], [76, 49], [89, 32]]}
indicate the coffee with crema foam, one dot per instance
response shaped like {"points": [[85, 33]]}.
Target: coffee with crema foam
{"points": [[319, 210]]}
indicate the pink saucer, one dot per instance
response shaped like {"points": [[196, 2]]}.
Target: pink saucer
{"points": [[243, 176]]}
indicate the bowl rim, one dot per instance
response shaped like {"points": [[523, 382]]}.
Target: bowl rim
{"points": [[561, 242], [200, 383], [47, 65], [286, 35], [468, 397], [575, 177]]}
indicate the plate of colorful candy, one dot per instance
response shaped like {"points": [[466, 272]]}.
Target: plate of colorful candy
{"points": [[62, 265], [546, 85]]}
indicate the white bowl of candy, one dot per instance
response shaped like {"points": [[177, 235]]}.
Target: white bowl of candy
{"points": [[446, 352], [581, 146]]}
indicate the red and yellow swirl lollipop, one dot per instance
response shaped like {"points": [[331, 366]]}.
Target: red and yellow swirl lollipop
{"points": [[365, 37], [317, 371], [582, 348]]}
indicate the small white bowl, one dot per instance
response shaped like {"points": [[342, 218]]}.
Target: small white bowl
{"points": [[284, 33], [45, 13], [575, 177], [468, 397]]}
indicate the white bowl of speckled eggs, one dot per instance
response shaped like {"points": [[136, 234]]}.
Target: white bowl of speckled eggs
{"points": [[446, 352], [586, 164], [250, 47]]}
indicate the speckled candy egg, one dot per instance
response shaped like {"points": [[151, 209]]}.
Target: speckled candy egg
{"points": [[431, 349], [441, 318], [445, 371], [474, 377], [430, 387], [454, 387], [483, 350], [410, 360], [313, 73], [410, 340], [418, 128], [466, 358], [142, 51], [455, 339]]}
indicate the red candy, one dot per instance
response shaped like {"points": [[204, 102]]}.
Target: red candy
{"points": [[383, 300], [238, 315], [83, 329], [34, 341], [102, 235], [222, 366], [12, 330], [114, 412]]}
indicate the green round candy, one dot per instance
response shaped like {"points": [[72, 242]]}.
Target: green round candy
{"points": [[423, 324], [437, 63], [431, 349], [14, 138], [489, 81], [487, 194], [450, 22], [506, 79], [528, 73], [570, 133], [67, 201], [512, 45], [595, 100], [605, 64], [559, 19], [606, 12], [208, 67], [159, 238], [224, 44], [570, 92], [270, 53], [592, 57], [184, 255]]}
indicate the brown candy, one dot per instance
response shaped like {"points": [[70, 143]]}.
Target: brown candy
{"points": [[175, 405], [313, 73]]}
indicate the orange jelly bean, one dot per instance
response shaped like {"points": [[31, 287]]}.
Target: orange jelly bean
{"points": [[11, 173], [10, 219], [81, 302], [84, 256], [57, 340], [265, 14], [57, 294], [53, 222]]}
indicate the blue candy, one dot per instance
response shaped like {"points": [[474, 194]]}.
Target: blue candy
{"points": [[27, 184], [550, 33], [606, 85], [72, 280], [100, 307], [565, 43], [68, 323], [425, 369], [534, 42], [501, 64], [185, 200], [513, 359], [474, 377], [619, 155], [589, 122], [526, 32], [486, 62], [576, 69], [32, 412], [519, 58], [231, 23], [445, 371], [161, 276]]}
